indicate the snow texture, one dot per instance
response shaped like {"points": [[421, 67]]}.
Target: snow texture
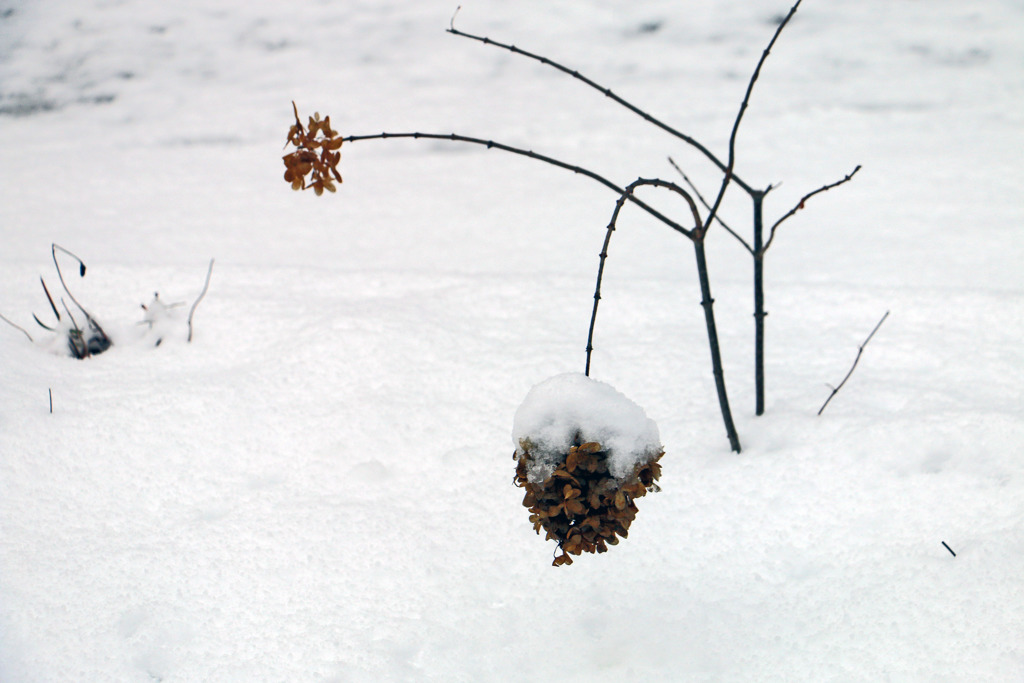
{"points": [[573, 408], [318, 488]]}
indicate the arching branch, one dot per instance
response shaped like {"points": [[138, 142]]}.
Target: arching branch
{"points": [[626, 194], [697, 237], [491, 144], [693, 188]]}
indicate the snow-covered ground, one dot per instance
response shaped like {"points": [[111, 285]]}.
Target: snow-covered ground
{"points": [[319, 486]]}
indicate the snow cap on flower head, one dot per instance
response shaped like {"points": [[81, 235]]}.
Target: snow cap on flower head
{"points": [[572, 407]]}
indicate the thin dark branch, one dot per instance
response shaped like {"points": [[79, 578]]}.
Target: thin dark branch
{"points": [[626, 194], [206, 285], [703, 201], [490, 144], [74, 323], [81, 272], [729, 177], [800, 205], [41, 324], [16, 326], [50, 299], [93, 325], [697, 237], [607, 93], [860, 350]]}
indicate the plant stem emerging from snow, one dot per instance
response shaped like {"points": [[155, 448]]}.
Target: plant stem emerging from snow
{"points": [[206, 285], [16, 326], [860, 350], [82, 344], [697, 237]]}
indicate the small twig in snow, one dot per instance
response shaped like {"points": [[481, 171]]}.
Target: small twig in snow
{"points": [[949, 549], [206, 286], [860, 350], [16, 326]]}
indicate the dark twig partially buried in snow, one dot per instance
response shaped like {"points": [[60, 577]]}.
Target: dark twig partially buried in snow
{"points": [[17, 327], [81, 343], [860, 350]]}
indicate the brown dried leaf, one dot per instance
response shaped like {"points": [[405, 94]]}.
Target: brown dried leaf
{"points": [[571, 460]]}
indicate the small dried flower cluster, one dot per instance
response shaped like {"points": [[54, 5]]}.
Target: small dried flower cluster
{"points": [[580, 505], [316, 157]]}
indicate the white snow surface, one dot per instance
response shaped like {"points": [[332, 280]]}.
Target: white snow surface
{"points": [[319, 487], [572, 407]]}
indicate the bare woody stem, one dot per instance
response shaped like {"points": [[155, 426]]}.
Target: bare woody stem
{"points": [[860, 350], [609, 94], [739, 118], [81, 271], [192, 311], [491, 144], [800, 205], [697, 237], [700, 197], [17, 327], [626, 194]]}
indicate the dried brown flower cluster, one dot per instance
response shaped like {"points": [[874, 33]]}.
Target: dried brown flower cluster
{"points": [[581, 506], [316, 157]]}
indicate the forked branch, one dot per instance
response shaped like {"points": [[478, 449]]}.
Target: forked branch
{"points": [[800, 205]]}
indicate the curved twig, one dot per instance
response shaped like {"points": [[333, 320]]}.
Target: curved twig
{"points": [[491, 144], [81, 273], [16, 326], [206, 285], [800, 205], [104, 341], [607, 93], [49, 298], [626, 194], [697, 237]]}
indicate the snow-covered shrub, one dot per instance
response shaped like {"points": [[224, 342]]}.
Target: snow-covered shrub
{"points": [[584, 453]]}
